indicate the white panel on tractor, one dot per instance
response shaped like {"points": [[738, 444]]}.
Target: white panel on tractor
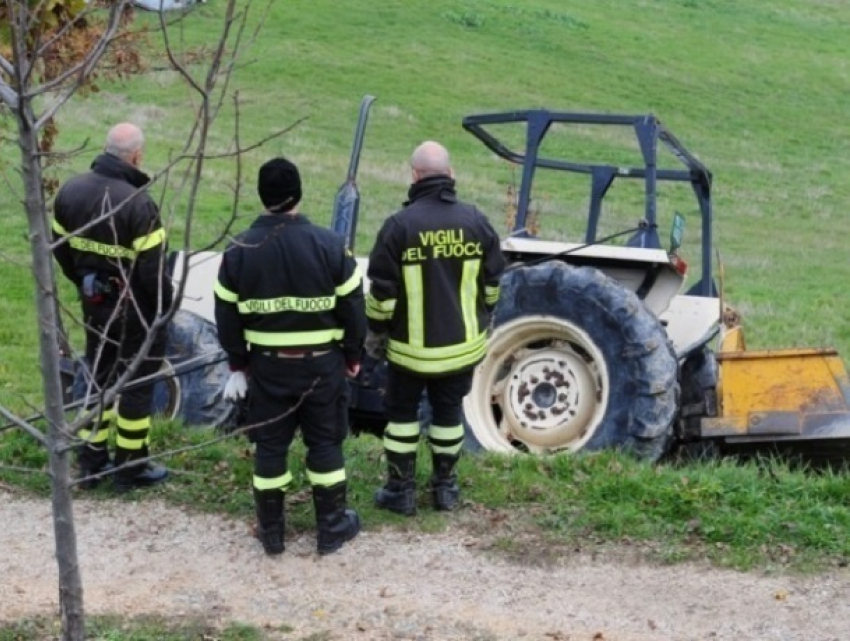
{"points": [[202, 274]]}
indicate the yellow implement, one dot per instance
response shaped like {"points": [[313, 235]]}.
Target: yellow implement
{"points": [[779, 395]]}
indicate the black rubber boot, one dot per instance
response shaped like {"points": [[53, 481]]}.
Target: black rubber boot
{"points": [[270, 520], [335, 523], [92, 459], [399, 494], [445, 492], [136, 476], [87, 478]]}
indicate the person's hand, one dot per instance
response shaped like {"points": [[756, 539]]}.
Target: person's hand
{"points": [[236, 387], [352, 369], [375, 345]]}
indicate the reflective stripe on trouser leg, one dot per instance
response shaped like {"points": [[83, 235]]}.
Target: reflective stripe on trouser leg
{"points": [[99, 435], [401, 438], [277, 483], [132, 434], [446, 440], [326, 479]]}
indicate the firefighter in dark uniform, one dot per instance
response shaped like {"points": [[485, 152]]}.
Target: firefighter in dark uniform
{"points": [[117, 264], [434, 274], [290, 314]]}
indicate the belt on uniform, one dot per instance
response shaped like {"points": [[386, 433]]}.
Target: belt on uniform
{"points": [[294, 353]]}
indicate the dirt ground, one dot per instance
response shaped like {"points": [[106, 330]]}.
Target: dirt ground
{"points": [[395, 585]]}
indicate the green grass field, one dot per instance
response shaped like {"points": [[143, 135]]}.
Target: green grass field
{"points": [[756, 90]]}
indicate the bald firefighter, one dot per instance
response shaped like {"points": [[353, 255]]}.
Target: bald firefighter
{"points": [[111, 245], [290, 314], [434, 273]]}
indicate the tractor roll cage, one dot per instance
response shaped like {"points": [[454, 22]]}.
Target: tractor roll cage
{"points": [[648, 130]]}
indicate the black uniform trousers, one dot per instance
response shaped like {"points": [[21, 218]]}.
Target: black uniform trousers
{"points": [[286, 393], [445, 395], [114, 335]]}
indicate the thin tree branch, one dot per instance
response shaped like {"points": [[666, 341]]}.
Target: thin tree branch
{"points": [[26, 470], [26, 427], [8, 95], [239, 151], [87, 66], [6, 66]]}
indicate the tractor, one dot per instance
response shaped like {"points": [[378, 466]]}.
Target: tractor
{"points": [[599, 345], [607, 342]]}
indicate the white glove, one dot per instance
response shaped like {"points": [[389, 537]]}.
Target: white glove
{"points": [[236, 387]]}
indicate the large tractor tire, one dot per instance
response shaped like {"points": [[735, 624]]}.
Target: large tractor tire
{"points": [[195, 395], [575, 362], [189, 386]]}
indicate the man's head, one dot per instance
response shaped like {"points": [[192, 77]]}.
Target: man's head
{"points": [[126, 141], [430, 159], [279, 186]]}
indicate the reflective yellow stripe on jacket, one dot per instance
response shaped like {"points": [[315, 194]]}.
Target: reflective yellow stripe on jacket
{"points": [[469, 297], [434, 360], [287, 304], [413, 354], [351, 284], [415, 305], [307, 305], [225, 294], [288, 339], [379, 310], [101, 249], [143, 243], [59, 229], [149, 241]]}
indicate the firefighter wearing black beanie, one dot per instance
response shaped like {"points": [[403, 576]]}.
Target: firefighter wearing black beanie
{"points": [[290, 315], [279, 185]]}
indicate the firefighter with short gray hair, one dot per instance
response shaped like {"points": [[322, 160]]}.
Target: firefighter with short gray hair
{"points": [[290, 315], [109, 241], [434, 272]]}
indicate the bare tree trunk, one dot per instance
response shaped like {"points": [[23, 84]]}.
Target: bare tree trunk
{"points": [[70, 581], [20, 89]]}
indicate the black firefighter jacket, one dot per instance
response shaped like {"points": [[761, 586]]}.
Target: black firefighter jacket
{"points": [[285, 283], [434, 274], [129, 246]]}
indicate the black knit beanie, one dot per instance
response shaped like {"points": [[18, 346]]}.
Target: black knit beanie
{"points": [[279, 185]]}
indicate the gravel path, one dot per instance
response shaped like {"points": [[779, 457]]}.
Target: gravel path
{"points": [[395, 585]]}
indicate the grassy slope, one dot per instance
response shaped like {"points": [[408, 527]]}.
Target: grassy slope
{"points": [[755, 89]]}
